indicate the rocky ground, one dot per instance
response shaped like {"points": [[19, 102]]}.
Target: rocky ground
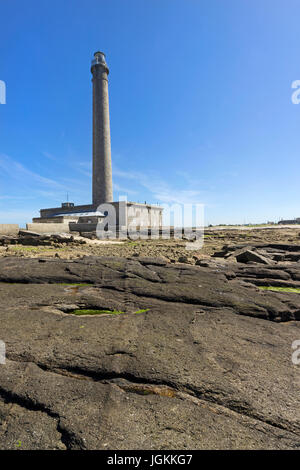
{"points": [[124, 347], [72, 247]]}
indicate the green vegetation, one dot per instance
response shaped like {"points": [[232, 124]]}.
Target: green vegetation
{"points": [[29, 248], [95, 312], [295, 290]]}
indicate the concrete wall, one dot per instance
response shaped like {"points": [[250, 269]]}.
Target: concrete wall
{"points": [[131, 214], [144, 216], [48, 228], [82, 227], [9, 229], [54, 220], [89, 220]]}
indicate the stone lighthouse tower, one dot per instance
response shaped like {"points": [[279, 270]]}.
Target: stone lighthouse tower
{"points": [[102, 173], [122, 216]]}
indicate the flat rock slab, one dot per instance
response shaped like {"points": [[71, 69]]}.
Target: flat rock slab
{"points": [[206, 364], [249, 255]]}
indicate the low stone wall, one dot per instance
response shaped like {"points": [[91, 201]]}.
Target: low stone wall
{"points": [[82, 227], [9, 229], [48, 228]]}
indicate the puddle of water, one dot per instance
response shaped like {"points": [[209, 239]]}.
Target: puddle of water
{"points": [[80, 312], [95, 312]]}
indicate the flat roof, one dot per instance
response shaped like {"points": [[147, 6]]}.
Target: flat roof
{"points": [[79, 214]]}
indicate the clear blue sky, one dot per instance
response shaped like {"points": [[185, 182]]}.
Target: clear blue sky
{"points": [[200, 101]]}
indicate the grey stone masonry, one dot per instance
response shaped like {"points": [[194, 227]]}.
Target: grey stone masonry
{"points": [[102, 172], [122, 215]]}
